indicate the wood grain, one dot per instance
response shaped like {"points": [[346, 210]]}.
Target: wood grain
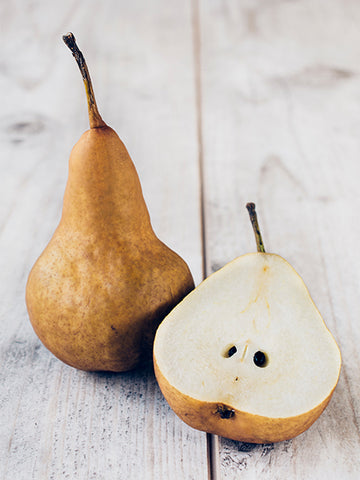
{"points": [[57, 422], [279, 98], [219, 102]]}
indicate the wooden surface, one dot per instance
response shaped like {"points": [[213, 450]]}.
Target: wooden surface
{"points": [[219, 103]]}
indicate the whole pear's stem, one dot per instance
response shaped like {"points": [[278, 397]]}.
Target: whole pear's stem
{"points": [[95, 119], [255, 225]]}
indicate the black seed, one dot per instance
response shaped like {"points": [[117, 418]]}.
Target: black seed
{"points": [[260, 359], [232, 351]]}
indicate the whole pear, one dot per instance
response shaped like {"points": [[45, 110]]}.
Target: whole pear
{"points": [[105, 281]]}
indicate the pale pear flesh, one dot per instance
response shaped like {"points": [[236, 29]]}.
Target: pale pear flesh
{"points": [[204, 351]]}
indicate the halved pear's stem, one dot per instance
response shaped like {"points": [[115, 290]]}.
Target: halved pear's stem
{"points": [[255, 225], [95, 119]]}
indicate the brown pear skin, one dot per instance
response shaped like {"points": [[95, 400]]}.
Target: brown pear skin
{"points": [[223, 420], [103, 284]]}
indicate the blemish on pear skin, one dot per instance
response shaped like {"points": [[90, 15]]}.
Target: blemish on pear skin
{"points": [[225, 412]]}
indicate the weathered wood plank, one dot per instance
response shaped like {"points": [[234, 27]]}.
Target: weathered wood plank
{"points": [[280, 91], [57, 422]]}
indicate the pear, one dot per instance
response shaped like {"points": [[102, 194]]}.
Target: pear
{"points": [[246, 355], [105, 281]]}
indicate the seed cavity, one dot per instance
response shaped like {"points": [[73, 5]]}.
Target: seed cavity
{"points": [[230, 351]]}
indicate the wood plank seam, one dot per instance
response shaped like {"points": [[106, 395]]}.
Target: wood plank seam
{"points": [[213, 460]]}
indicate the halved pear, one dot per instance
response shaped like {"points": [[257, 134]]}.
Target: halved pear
{"points": [[247, 355]]}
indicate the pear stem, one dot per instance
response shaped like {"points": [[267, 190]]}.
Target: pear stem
{"points": [[256, 228], [95, 119]]}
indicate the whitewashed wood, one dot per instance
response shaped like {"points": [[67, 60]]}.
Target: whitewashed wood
{"points": [[57, 422], [280, 109], [278, 90]]}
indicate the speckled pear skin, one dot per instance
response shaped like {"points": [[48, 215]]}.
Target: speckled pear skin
{"points": [[228, 422], [105, 281]]}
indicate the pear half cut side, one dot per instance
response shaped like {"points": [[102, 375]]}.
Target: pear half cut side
{"points": [[247, 355]]}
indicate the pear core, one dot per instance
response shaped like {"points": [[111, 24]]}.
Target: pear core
{"points": [[256, 303]]}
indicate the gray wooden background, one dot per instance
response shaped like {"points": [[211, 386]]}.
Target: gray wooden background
{"points": [[219, 102]]}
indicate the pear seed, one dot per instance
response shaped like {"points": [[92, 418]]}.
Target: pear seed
{"points": [[232, 351], [260, 359]]}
